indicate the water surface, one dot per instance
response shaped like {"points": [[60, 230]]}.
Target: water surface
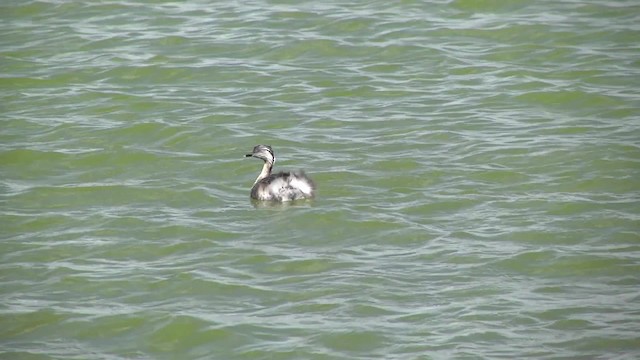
{"points": [[477, 164]]}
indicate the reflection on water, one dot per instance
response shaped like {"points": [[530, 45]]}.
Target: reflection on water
{"points": [[477, 166]]}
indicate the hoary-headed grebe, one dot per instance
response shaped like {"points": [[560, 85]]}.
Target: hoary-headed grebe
{"points": [[283, 186]]}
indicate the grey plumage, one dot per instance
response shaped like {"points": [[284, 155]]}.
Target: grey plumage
{"points": [[282, 186]]}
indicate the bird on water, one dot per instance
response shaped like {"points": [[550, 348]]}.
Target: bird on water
{"points": [[282, 186]]}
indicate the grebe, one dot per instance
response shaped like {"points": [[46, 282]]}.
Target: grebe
{"points": [[283, 186]]}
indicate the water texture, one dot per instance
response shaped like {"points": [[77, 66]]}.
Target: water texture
{"points": [[477, 165]]}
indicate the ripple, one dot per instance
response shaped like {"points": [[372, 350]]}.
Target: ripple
{"points": [[476, 162]]}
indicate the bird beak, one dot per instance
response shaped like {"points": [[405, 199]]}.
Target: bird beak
{"points": [[248, 155]]}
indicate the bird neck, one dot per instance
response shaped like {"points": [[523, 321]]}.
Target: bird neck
{"points": [[266, 171]]}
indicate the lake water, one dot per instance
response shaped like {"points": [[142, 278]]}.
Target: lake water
{"points": [[478, 167]]}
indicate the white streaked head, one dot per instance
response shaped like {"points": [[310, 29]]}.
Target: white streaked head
{"points": [[264, 152]]}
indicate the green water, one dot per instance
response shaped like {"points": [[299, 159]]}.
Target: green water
{"points": [[477, 165]]}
